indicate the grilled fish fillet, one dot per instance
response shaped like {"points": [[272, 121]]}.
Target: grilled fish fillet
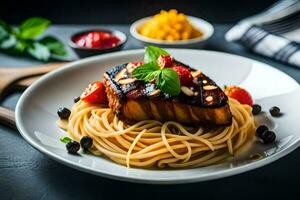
{"points": [[132, 100]]}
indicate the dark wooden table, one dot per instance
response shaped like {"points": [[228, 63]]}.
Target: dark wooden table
{"points": [[25, 173]]}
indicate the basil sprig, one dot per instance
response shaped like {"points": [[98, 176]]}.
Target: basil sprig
{"points": [[147, 72], [65, 139], [168, 82], [166, 79], [33, 27], [152, 53], [25, 40]]}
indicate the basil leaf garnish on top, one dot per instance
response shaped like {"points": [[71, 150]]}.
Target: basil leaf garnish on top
{"points": [[152, 53], [167, 80], [146, 72]]}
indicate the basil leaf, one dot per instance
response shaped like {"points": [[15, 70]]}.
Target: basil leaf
{"points": [[152, 76], [21, 40], [20, 46], [146, 72], [33, 27], [39, 51], [152, 53], [4, 33], [168, 82], [54, 45], [65, 139], [8, 42]]}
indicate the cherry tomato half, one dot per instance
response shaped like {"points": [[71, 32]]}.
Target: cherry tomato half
{"points": [[95, 93]]}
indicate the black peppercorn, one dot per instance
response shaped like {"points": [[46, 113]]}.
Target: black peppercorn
{"points": [[275, 111], [256, 109], [86, 142], [76, 99], [268, 137], [260, 130], [63, 113], [73, 147]]}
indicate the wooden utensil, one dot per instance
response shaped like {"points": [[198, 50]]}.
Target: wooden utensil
{"points": [[10, 76], [26, 82], [7, 117]]}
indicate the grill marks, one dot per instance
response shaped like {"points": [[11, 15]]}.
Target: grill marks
{"points": [[135, 101]]}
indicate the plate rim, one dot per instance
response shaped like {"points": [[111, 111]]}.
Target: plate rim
{"points": [[151, 180]]}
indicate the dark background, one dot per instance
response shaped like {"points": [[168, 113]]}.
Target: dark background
{"points": [[25, 173], [120, 12]]}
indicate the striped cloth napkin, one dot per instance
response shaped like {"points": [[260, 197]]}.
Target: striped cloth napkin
{"points": [[284, 48]]}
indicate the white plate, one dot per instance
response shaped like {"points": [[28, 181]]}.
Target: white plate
{"points": [[36, 112], [198, 23]]}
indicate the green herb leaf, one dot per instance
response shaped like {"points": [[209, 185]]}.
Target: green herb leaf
{"points": [[20, 46], [146, 72], [152, 53], [54, 45], [65, 139], [4, 30], [168, 82], [39, 51], [33, 27], [8, 42], [21, 40]]}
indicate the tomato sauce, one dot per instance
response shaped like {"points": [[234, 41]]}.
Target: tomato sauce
{"points": [[97, 40]]}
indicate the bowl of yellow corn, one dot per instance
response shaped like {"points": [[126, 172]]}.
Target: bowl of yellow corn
{"points": [[172, 29]]}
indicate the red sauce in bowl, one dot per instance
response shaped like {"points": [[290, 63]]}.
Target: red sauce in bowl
{"points": [[97, 40]]}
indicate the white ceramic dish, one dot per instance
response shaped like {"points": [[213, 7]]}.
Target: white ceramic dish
{"points": [[198, 23], [36, 113]]}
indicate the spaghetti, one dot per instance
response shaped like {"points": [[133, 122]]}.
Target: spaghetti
{"points": [[151, 143]]}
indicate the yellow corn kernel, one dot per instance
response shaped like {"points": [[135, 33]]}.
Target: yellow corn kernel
{"points": [[161, 33], [178, 26], [170, 38], [181, 17], [166, 28], [176, 36], [185, 35], [173, 11], [169, 25], [163, 12], [145, 32]]}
